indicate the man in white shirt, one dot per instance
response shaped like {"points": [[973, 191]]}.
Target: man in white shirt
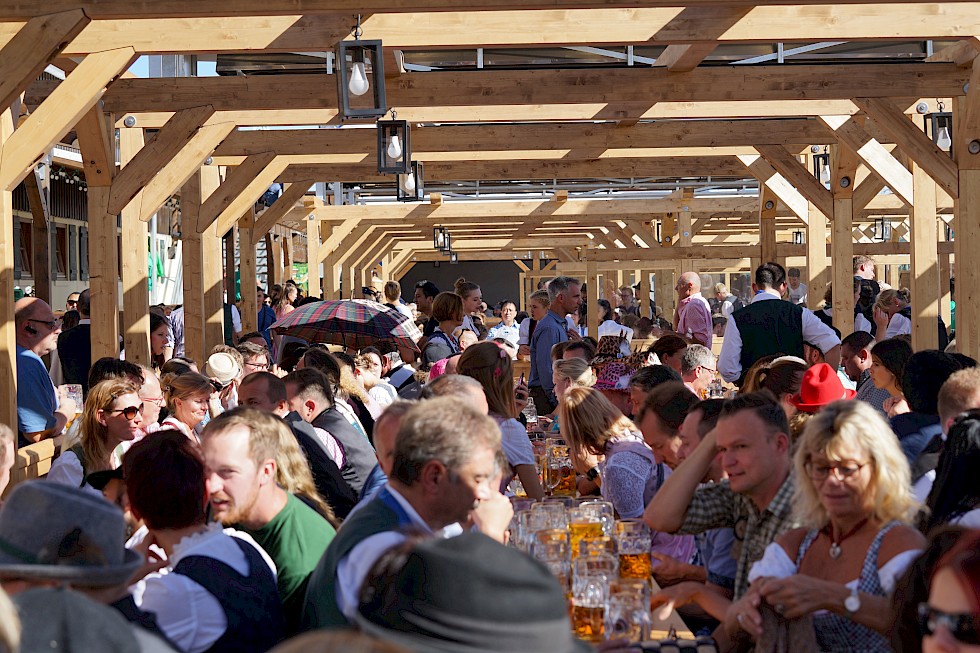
{"points": [[796, 292], [446, 470]]}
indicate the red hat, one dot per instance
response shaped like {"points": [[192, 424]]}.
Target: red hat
{"points": [[820, 386]]}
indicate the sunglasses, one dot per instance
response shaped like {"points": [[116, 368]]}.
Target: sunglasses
{"points": [[129, 412], [962, 626]]}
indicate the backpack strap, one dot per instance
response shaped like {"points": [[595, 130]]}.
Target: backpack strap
{"points": [[80, 454]]}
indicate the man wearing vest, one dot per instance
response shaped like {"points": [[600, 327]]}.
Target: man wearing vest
{"points": [[766, 327], [445, 473], [240, 449]]}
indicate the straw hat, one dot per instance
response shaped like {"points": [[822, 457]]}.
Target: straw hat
{"points": [[222, 367]]}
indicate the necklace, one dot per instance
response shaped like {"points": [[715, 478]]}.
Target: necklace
{"points": [[835, 549]]}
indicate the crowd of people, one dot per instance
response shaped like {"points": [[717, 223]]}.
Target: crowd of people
{"points": [[801, 490]]}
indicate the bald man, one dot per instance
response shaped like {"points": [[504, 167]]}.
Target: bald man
{"points": [[41, 413], [693, 316]]}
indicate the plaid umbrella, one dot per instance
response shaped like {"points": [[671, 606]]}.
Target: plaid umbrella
{"points": [[354, 323]]}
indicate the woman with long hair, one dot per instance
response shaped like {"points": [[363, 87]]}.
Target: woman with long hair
{"points": [[159, 336], [294, 476], [283, 305], [490, 364], [113, 414], [889, 313], [888, 359], [955, 495], [854, 501], [188, 402], [670, 350], [448, 312]]}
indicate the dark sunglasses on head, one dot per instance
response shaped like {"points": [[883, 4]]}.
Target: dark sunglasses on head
{"points": [[962, 626], [129, 412]]}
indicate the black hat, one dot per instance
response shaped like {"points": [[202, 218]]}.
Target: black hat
{"points": [[469, 594], [99, 480]]}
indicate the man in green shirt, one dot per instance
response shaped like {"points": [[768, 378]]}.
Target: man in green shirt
{"points": [[240, 449]]}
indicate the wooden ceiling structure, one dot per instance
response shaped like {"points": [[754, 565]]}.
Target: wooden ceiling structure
{"points": [[682, 120]]}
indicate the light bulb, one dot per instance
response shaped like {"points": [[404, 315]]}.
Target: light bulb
{"points": [[408, 183], [825, 174], [358, 84], [395, 148], [944, 141]]}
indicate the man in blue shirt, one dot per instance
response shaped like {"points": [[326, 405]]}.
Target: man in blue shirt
{"points": [[40, 412], [565, 294]]}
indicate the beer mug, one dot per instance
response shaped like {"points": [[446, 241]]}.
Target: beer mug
{"points": [[583, 523], [589, 546], [547, 536], [590, 593], [559, 475], [548, 515], [633, 543], [603, 510], [628, 610], [554, 554]]}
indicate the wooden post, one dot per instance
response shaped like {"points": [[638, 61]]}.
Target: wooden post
{"points": [[643, 298], [816, 257], [230, 239], [287, 255], [843, 167], [767, 224], [247, 266], [136, 291], [272, 261], [522, 278], [592, 308], [8, 338], [313, 259], [211, 272], [103, 274], [193, 277], [665, 292], [925, 263], [967, 235], [40, 240]]}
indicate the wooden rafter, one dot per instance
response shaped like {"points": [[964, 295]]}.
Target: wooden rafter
{"points": [[237, 180], [872, 154], [272, 215], [797, 174]]}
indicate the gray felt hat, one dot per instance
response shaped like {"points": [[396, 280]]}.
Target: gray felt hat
{"points": [[50, 531]]}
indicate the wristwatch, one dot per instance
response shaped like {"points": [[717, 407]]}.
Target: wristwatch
{"points": [[592, 474], [853, 602]]}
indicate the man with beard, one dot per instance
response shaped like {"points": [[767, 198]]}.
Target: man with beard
{"points": [[240, 448]]}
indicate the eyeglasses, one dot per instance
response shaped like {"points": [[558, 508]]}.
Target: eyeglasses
{"points": [[257, 366], [962, 626], [52, 324], [72, 302], [841, 470], [129, 412], [154, 400]]}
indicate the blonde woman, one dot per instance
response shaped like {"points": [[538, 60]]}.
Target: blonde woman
{"points": [[489, 364], [283, 305], [537, 307], [189, 401], [854, 501], [891, 315], [113, 414], [472, 298], [294, 476]]}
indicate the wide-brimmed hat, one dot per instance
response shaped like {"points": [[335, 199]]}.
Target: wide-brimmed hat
{"points": [[820, 386], [222, 367], [59, 620], [469, 594], [50, 531], [614, 375]]}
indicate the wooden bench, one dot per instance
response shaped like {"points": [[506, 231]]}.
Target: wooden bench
{"points": [[33, 461]]}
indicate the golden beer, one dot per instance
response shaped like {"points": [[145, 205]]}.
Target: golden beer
{"points": [[581, 530], [589, 623], [562, 481], [635, 565]]}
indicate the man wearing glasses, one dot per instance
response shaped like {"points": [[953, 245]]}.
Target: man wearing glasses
{"points": [[71, 304], [41, 413]]}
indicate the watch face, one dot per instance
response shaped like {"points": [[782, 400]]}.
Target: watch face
{"points": [[852, 603]]}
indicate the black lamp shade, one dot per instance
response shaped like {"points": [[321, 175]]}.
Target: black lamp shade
{"points": [[935, 124], [410, 187], [364, 56], [394, 138], [438, 238]]}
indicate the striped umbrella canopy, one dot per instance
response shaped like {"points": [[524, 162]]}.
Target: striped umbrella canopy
{"points": [[354, 323]]}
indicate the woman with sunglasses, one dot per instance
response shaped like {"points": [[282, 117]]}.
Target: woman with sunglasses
{"points": [[113, 415], [950, 620], [854, 500]]}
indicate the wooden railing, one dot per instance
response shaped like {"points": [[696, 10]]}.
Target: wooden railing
{"points": [[33, 461]]}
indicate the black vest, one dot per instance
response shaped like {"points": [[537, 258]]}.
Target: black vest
{"points": [[766, 328], [358, 453], [251, 603], [379, 515], [327, 478]]}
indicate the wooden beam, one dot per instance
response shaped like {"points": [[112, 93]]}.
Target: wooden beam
{"points": [[236, 181], [962, 53], [789, 166], [193, 269], [212, 269], [96, 139], [925, 262], [32, 47], [816, 257], [641, 87], [103, 241], [250, 194], [684, 58], [843, 166], [178, 170], [40, 258], [248, 275], [74, 96], [544, 27], [914, 142], [290, 197], [769, 178], [135, 286], [314, 257], [767, 225], [873, 154], [162, 148], [8, 337], [966, 130]]}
